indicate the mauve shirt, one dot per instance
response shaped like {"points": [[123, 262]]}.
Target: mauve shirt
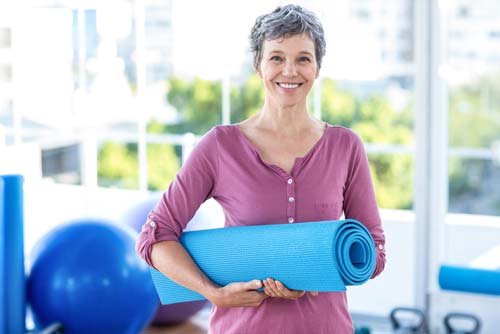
{"points": [[331, 179]]}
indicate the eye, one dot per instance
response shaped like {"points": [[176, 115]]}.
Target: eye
{"points": [[304, 59], [276, 59]]}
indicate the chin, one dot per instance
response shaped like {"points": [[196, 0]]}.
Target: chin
{"points": [[289, 103]]}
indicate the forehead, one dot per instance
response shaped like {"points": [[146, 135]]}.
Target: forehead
{"points": [[290, 44]]}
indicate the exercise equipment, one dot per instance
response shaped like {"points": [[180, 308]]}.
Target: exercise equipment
{"points": [[468, 323], [3, 282], [87, 276], [362, 330], [135, 217], [12, 302], [317, 256], [408, 320], [472, 280], [55, 328]]}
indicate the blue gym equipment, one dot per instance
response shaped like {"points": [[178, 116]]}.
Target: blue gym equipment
{"points": [[465, 279], [87, 276], [12, 302], [315, 256]]}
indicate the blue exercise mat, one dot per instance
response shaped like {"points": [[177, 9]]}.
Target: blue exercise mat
{"points": [[466, 279], [12, 253], [318, 256]]}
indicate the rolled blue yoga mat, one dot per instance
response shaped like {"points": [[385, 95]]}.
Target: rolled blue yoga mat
{"points": [[12, 254], [317, 256], [472, 280]]}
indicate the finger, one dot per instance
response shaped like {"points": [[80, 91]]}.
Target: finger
{"points": [[292, 294], [287, 293], [314, 293], [283, 290], [253, 285], [272, 288], [256, 284], [268, 289]]}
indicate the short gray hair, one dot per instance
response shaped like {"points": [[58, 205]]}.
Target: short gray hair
{"points": [[283, 22]]}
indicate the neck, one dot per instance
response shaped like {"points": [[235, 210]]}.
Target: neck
{"points": [[294, 118]]}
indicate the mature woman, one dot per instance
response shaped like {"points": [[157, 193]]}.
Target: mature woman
{"points": [[280, 166]]}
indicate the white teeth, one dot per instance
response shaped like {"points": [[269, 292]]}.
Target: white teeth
{"points": [[286, 85]]}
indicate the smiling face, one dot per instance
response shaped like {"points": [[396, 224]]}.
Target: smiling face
{"points": [[288, 69]]}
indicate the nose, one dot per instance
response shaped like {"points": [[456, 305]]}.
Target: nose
{"points": [[289, 69]]}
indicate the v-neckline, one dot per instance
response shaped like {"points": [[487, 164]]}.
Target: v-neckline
{"points": [[297, 159]]}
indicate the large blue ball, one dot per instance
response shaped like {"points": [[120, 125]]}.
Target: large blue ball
{"points": [[87, 276]]}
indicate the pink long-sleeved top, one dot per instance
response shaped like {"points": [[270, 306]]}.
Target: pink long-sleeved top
{"points": [[331, 179]]}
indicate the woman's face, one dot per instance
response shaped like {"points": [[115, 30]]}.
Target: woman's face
{"points": [[288, 69]]}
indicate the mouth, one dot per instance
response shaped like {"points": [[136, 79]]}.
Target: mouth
{"points": [[289, 85]]}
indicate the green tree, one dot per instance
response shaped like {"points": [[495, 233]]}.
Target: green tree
{"points": [[199, 103], [375, 121], [118, 164], [246, 99], [474, 121], [475, 112]]}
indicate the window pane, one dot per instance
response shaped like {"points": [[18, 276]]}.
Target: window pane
{"points": [[62, 164], [163, 165], [392, 176], [472, 73], [380, 112], [474, 186], [118, 165], [198, 103]]}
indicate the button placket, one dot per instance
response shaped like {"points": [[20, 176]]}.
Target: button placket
{"points": [[290, 192]]}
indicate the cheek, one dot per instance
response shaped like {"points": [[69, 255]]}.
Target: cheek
{"points": [[313, 72]]}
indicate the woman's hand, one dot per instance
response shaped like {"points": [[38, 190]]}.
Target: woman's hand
{"points": [[276, 289], [238, 294]]}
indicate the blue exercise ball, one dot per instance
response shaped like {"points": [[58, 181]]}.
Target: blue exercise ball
{"points": [[87, 276]]}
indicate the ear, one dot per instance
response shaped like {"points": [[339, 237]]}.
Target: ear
{"points": [[259, 73], [317, 73]]}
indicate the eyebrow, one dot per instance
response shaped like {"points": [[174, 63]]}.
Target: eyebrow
{"points": [[301, 52]]}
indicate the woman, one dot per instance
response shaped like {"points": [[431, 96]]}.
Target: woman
{"points": [[280, 166]]}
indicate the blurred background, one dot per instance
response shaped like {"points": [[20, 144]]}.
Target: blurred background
{"points": [[101, 101]]}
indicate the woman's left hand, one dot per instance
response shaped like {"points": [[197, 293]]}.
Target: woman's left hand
{"points": [[276, 289]]}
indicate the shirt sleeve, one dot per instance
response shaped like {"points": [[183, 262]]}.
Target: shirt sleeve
{"points": [[360, 202], [194, 183]]}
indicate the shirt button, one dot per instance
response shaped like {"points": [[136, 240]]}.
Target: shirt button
{"points": [[291, 220], [152, 224], [291, 199], [290, 181], [380, 246]]}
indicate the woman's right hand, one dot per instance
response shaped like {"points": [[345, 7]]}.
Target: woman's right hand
{"points": [[238, 294]]}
